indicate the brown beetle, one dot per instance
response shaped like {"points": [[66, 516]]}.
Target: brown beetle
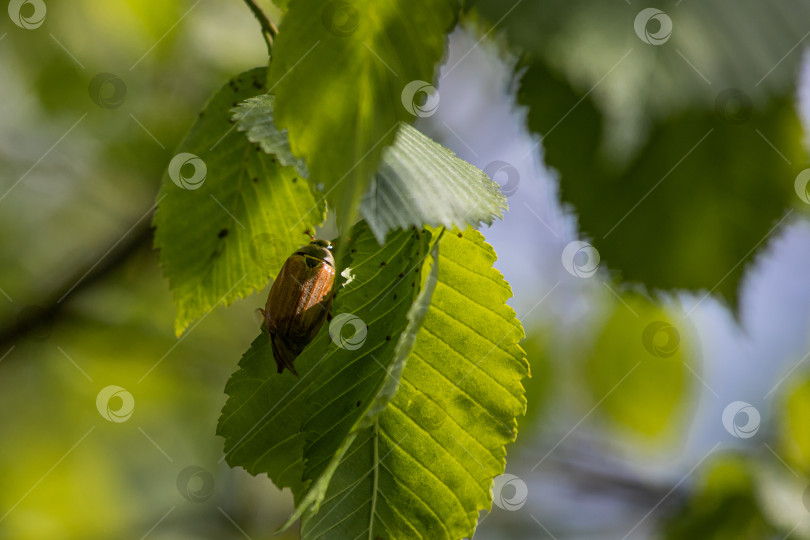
{"points": [[299, 301]]}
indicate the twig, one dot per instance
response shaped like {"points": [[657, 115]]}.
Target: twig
{"points": [[269, 30], [31, 320]]}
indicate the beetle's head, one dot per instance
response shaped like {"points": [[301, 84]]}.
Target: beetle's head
{"points": [[322, 243], [319, 249]]}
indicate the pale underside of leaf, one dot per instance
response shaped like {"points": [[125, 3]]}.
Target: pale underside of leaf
{"points": [[420, 182], [254, 116]]}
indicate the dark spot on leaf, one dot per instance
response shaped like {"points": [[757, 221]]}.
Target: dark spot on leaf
{"points": [[235, 104], [413, 283], [223, 233], [387, 338], [258, 148], [255, 179], [395, 297], [200, 114], [382, 263], [401, 275], [354, 250], [295, 179], [358, 403], [460, 235]]}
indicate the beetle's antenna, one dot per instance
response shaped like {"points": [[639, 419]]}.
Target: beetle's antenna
{"points": [[309, 233]]}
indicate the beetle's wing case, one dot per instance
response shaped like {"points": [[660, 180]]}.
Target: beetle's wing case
{"points": [[297, 305], [314, 305], [283, 354], [285, 296]]}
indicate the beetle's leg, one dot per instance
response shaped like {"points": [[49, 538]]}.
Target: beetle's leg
{"points": [[264, 317]]}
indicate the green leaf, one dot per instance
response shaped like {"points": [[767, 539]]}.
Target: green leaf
{"points": [[425, 467], [711, 49], [690, 208], [638, 370], [263, 420], [375, 460], [254, 116], [339, 71], [420, 182], [794, 435], [228, 234]]}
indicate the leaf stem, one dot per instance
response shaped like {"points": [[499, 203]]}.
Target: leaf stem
{"points": [[269, 30]]}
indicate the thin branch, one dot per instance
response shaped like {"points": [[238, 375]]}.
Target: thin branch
{"points": [[269, 30], [32, 320]]}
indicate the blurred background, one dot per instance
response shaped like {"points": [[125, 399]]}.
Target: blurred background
{"points": [[661, 416]]}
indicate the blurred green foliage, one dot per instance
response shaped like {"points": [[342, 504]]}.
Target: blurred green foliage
{"points": [[83, 168], [724, 506], [637, 370]]}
